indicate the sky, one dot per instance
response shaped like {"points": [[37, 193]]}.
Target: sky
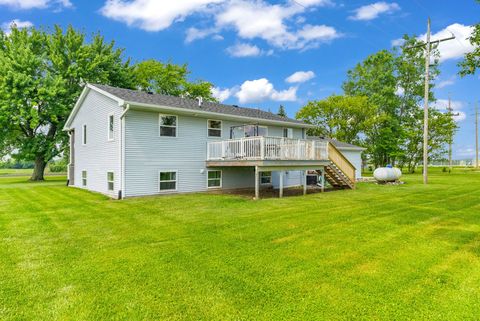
{"points": [[263, 54]]}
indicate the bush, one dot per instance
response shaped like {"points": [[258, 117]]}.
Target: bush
{"points": [[59, 166]]}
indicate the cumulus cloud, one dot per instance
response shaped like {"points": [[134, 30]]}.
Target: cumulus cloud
{"points": [[34, 4], [372, 11], [300, 76], [447, 82], [452, 49], [250, 19], [7, 26], [261, 89], [221, 94], [246, 50]]}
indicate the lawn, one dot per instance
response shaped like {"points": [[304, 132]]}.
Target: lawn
{"points": [[377, 253]]}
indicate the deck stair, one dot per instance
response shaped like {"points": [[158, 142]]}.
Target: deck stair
{"points": [[340, 173]]}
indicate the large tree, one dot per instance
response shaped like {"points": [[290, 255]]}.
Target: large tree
{"points": [[339, 117], [170, 79], [41, 76]]}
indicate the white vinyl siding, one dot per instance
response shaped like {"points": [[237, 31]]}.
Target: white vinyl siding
{"points": [[214, 179], [98, 156], [168, 125]]}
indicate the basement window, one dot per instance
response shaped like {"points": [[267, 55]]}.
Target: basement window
{"points": [[168, 181], [266, 178], [110, 181], [84, 178], [214, 179]]}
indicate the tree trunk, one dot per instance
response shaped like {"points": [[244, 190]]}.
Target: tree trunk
{"points": [[39, 169]]}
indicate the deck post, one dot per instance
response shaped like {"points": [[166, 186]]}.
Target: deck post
{"points": [[257, 183], [323, 180], [280, 192], [304, 182]]}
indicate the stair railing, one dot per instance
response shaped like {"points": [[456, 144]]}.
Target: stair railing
{"points": [[342, 163]]}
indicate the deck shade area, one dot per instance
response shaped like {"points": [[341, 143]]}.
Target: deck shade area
{"points": [[267, 148]]}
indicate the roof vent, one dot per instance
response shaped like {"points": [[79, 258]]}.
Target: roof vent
{"points": [[150, 92], [200, 101], [236, 106]]}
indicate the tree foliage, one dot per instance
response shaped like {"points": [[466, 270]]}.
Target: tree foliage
{"points": [[471, 61], [170, 79], [339, 117], [41, 76], [281, 111]]}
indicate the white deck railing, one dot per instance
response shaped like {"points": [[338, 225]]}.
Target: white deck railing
{"points": [[267, 148]]}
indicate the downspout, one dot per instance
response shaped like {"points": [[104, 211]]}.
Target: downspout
{"points": [[122, 152]]}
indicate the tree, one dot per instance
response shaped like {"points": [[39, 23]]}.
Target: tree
{"points": [[471, 62], [170, 79], [281, 112], [339, 117], [41, 76], [375, 78]]}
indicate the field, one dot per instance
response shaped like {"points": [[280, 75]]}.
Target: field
{"points": [[406, 252]]}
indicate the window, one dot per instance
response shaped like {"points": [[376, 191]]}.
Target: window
{"points": [[168, 126], [288, 133], [168, 181], [110, 181], [254, 130], [266, 178], [84, 178], [214, 128], [111, 127], [84, 135], [214, 179]]}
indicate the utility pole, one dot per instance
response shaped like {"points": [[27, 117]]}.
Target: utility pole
{"points": [[428, 46], [425, 106], [450, 141]]}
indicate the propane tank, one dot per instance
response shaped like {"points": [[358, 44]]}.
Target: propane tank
{"points": [[386, 174]]}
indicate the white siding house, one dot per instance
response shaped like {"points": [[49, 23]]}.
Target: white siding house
{"points": [[130, 143]]}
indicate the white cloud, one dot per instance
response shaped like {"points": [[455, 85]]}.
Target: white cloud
{"points": [[456, 48], [34, 4], [247, 50], [250, 19], [7, 26], [261, 89], [398, 42], [447, 82], [372, 11], [221, 94], [154, 15], [300, 76]]}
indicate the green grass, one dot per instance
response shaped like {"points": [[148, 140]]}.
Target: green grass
{"points": [[377, 253]]}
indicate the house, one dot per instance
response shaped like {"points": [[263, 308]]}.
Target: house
{"points": [[126, 143]]}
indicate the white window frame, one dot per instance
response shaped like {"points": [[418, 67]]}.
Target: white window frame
{"points": [[208, 128], [112, 131], [176, 180], [261, 175], [289, 131], [113, 182], [211, 179], [160, 126], [84, 179], [84, 135]]}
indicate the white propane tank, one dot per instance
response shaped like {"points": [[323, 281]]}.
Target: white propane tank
{"points": [[386, 174]]}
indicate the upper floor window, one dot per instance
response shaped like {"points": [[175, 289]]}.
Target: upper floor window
{"points": [[168, 125], [111, 127], [288, 132], [214, 128], [84, 135]]}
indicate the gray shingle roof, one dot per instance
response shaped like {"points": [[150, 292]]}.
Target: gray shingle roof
{"points": [[137, 96], [337, 143]]}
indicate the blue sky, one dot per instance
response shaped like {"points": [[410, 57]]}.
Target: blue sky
{"points": [[265, 53]]}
